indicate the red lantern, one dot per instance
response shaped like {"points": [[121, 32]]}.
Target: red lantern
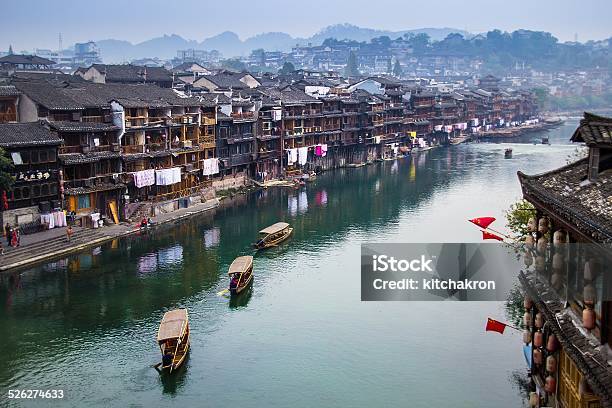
{"points": [[528, 303], [527, 319], [538, 339], [551, 384], [588, 318], [551, 364], [552, 343], [537, 356], [539, 320]]}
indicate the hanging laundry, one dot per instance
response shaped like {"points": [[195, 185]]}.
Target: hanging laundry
{"points": [[166, 177], [210, 166], [292, 156], [323, 150], [302, 155], [318, 150], [144, 178]]}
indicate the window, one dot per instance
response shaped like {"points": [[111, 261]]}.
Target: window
{"points": [[53, 189], [34, 157], [25, 192], [16, 156], [17, 194], [84, 201], [44, 191], [43, 156], [36, 190], [52, 155]]}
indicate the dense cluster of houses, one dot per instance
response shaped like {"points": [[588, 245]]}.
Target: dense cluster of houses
{"points": [[120, 141]]}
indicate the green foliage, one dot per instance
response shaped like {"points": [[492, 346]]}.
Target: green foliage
{"points": [[6, 164], [518, 215], [397, 69], [233, 64], [352, 69], [287, 68], [515, 309]]}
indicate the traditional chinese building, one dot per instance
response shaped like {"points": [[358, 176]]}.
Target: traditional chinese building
{"points": [[567, 281], [32, 149]]}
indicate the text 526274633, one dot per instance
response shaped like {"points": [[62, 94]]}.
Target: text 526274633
{"points": [[35, 394]]}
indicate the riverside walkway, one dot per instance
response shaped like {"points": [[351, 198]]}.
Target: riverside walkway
{"points": [[50, 244]]}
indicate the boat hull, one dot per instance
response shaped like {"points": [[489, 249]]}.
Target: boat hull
{"points": [[276, 241], [239, 289]]}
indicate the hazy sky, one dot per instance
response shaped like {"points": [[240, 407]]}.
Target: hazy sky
{"points": [[27, 24]]}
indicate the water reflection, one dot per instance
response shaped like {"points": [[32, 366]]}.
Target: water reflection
{"points": [[62, 320]]}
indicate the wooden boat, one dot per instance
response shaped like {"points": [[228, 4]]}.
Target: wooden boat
{"points": [[240, 273], [173, 338], [508, 153], [273, 235]]}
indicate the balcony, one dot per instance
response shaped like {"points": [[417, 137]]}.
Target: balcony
{"points": [[246, 137], [88, 149], [208, 121], [8, 117], [132, 149], [268, 154], [94, 119], [207, 142], [244, 116], [241, 159]]}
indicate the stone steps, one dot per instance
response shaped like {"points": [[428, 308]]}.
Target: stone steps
{"points": [[49, 246]]}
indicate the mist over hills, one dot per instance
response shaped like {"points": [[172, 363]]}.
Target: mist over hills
{"points": [[230, 45]]}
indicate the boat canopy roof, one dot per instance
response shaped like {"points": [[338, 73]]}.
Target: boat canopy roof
{"points": [[274, 228], [240, 264], [173, 325]]}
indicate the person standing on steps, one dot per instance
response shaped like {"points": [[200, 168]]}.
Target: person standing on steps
{"points": [[7, 231], [69, 233]]}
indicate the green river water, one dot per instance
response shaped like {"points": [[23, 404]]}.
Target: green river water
{"points": [[300, 337]]}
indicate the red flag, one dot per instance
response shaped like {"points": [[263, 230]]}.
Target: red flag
{"points": [[483, 222], [494, 325], [488, 235]]}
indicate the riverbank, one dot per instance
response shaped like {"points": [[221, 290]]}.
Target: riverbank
{"points": [[512, 132], [51, 244]]}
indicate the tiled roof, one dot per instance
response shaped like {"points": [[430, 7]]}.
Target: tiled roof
{"points": [[97, 187], [65, 126], [587, 356], [226, 80], [83, 95], [584, 204], [27, 134], [9, 90], [77, 158], [25, 59], [594, 130], [133, 73]]}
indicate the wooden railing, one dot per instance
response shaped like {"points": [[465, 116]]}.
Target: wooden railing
{"points": [[8, 117]]}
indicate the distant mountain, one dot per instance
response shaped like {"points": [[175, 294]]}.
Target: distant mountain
{"points": [[352, 32], [229, 44]]}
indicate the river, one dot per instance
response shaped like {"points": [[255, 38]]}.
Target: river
{"points": [[301, 337]]}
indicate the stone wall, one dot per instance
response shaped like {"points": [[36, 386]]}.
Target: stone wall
{"points": [[20, 216], [227, 182]]}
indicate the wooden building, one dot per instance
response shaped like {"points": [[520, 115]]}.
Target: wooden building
{"points": [[33, 149], [568, 282]]}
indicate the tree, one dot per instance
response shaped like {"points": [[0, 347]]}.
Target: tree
{"points": [[6, 180], [352, 69], [233, 64], [287, 68], [397, 69], [518, 215]]}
